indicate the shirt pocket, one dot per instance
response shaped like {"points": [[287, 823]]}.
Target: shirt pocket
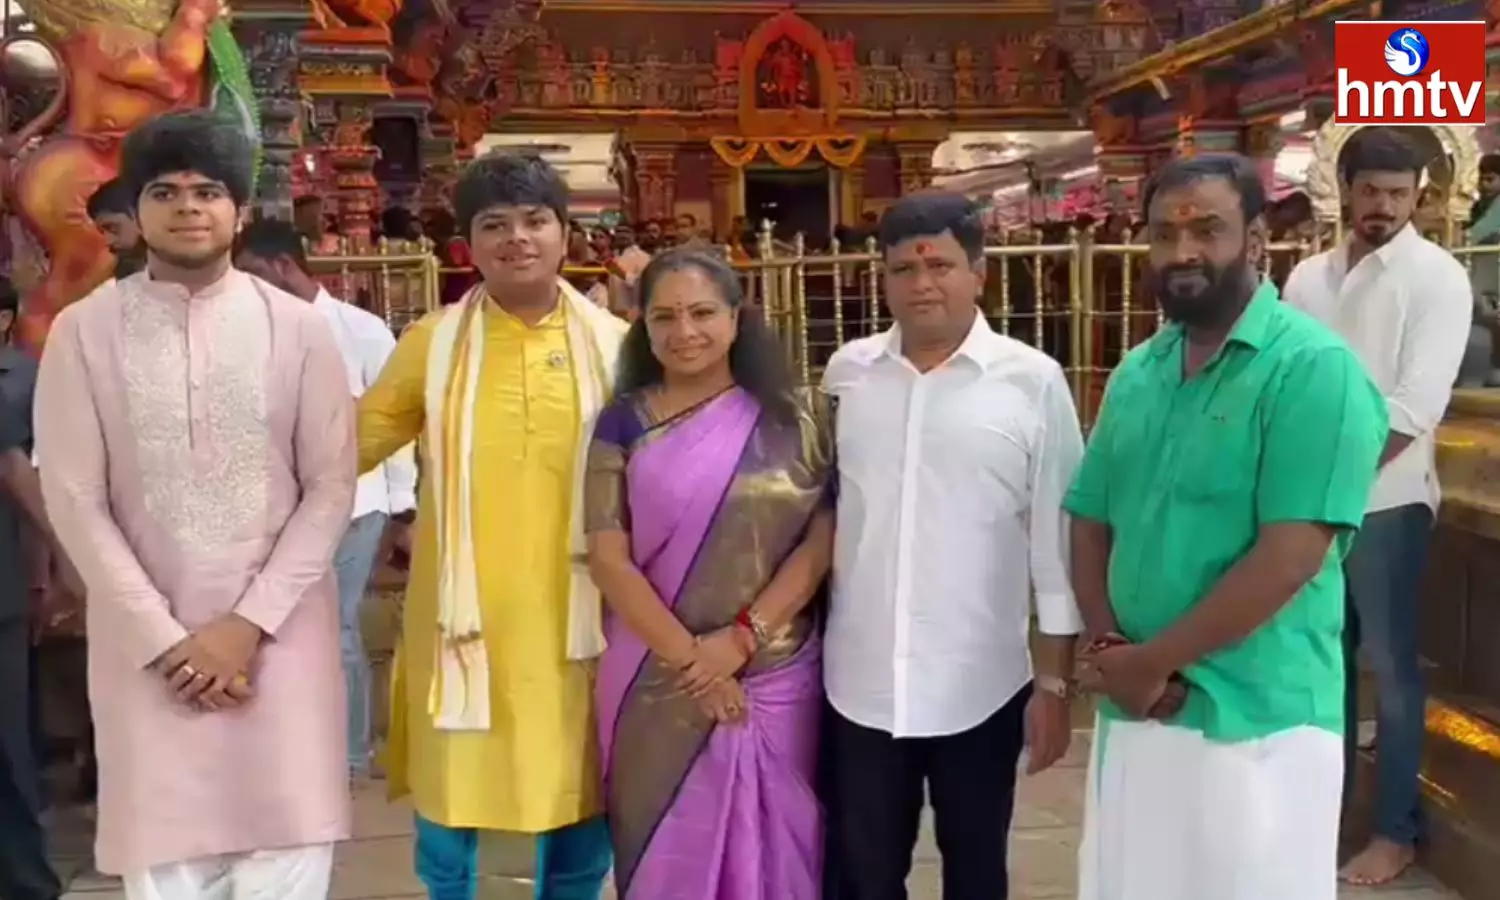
{"points": [[989, 445], [1217, 458]]}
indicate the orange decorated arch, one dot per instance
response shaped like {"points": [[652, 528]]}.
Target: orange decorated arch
{"points": [[758, 122]]}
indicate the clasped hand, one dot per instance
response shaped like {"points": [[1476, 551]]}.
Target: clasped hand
{"points": [[1129, 675], [709, 675], [208, 670]]}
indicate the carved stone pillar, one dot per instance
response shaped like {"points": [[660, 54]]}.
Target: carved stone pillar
{"points": [[852, 193], [655, 182], [1263, 142], [411, 102], [352, 157], [344, 72], [1195, 136], [439, 167], [915, 158], [725, 183], [268, 30], [1207, 119], [1122, 161]]}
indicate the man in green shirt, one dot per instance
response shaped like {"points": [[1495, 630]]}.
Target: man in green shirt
{"points": [[1222, 484]]}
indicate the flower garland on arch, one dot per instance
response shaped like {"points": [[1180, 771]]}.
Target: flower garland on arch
{"points": [[842, 151]]}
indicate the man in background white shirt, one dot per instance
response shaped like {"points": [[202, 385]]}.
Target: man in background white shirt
{"points": [[274, 251], [955, 446], [1404, 305]]}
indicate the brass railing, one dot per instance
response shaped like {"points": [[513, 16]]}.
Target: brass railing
{"points": [[396, 280], [1078, 297]]}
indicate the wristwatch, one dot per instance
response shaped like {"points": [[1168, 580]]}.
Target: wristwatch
{"points": [[1061, 688]]}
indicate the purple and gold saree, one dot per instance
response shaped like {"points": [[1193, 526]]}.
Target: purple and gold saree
{"points": [[714, 500]]}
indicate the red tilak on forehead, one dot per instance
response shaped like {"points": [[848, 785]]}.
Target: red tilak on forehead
{"points": [[923, 248], [1186, 210]]}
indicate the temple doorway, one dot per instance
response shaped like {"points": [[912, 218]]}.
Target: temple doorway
{"points": [[793, 200]]}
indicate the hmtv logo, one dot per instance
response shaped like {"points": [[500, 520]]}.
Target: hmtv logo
{"points": [[1409, 73]]}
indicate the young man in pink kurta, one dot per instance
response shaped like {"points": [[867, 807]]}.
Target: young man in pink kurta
{"points": [[195, 430]]}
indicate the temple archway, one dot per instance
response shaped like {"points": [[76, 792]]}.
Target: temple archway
{"points": [[1454, 167]]}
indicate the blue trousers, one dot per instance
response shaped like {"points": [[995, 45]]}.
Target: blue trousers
{"points": [[1384, 575], [352, 563], [571, 862]]}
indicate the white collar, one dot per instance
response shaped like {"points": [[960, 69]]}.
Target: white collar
{"points": [[979, 346]]}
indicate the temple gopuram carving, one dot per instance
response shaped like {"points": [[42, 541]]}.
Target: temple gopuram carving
{"points": [[704, 101]]}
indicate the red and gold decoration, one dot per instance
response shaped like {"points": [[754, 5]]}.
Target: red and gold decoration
{"points": [[697, 107], [739, 152], [121, 64], [344, 71]]}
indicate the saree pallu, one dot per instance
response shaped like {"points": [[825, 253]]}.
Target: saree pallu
{"points": [[714, 501]]}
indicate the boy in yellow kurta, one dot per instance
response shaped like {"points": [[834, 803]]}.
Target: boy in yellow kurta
{"points": [[493, 725]]}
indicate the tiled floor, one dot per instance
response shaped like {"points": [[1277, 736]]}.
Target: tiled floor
{"points": [[376, 865]]}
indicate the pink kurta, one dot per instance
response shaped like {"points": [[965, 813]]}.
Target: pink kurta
{"points": [[197, 455]]}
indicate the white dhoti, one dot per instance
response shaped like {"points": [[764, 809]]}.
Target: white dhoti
{"points": [[296, 873], [1171, 815]]}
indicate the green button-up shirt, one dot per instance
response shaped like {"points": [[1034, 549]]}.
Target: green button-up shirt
{"points": [[1281, 425]]}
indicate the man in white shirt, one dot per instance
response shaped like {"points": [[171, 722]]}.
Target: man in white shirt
{"points": [[1404, 305], [955, 447], [274, 251], [110, 209]]}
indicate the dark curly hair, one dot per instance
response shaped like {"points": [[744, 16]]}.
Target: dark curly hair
{"points": [[192, 141], [508, 178], [1380, 150], [110, 199], [756, 361]]}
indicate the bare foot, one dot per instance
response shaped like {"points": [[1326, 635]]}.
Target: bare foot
{"points": [[1381, 862]]}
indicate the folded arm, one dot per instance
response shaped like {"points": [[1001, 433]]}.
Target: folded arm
{"points": [[324, 447], [1058, 453], [1323, 434], [391, 413], [377, 346], [626, 590], [75, 486], [24, 488], [805, 569], [1428, 358], [630, 596], [801, 573], [1090, 536]]}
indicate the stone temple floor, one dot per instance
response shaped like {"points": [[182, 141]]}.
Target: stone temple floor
{"points": [[376, 864]]}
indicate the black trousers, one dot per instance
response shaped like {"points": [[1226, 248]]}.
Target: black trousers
{"points": [[25, 873], [876, 796]]}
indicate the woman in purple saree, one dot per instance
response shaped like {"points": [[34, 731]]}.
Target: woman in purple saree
{"points": [[706, 503]]}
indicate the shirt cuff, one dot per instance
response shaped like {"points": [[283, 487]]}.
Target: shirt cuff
{"points": [[1057, 615], [1083, 505], [403, 501], [263, 607], [159, 632], [1402, 420]]}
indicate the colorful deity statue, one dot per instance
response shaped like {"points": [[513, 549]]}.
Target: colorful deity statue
{"points": [[122, 62]]}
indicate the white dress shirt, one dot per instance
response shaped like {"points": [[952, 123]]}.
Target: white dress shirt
{"points": [[949, 521], [1405, 309], [366, 343]]}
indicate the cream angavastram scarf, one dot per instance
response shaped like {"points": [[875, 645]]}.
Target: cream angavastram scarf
{"points": [[460, 696]]}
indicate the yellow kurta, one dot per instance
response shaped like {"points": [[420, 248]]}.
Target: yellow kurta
{"points": [[536, 769]]}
